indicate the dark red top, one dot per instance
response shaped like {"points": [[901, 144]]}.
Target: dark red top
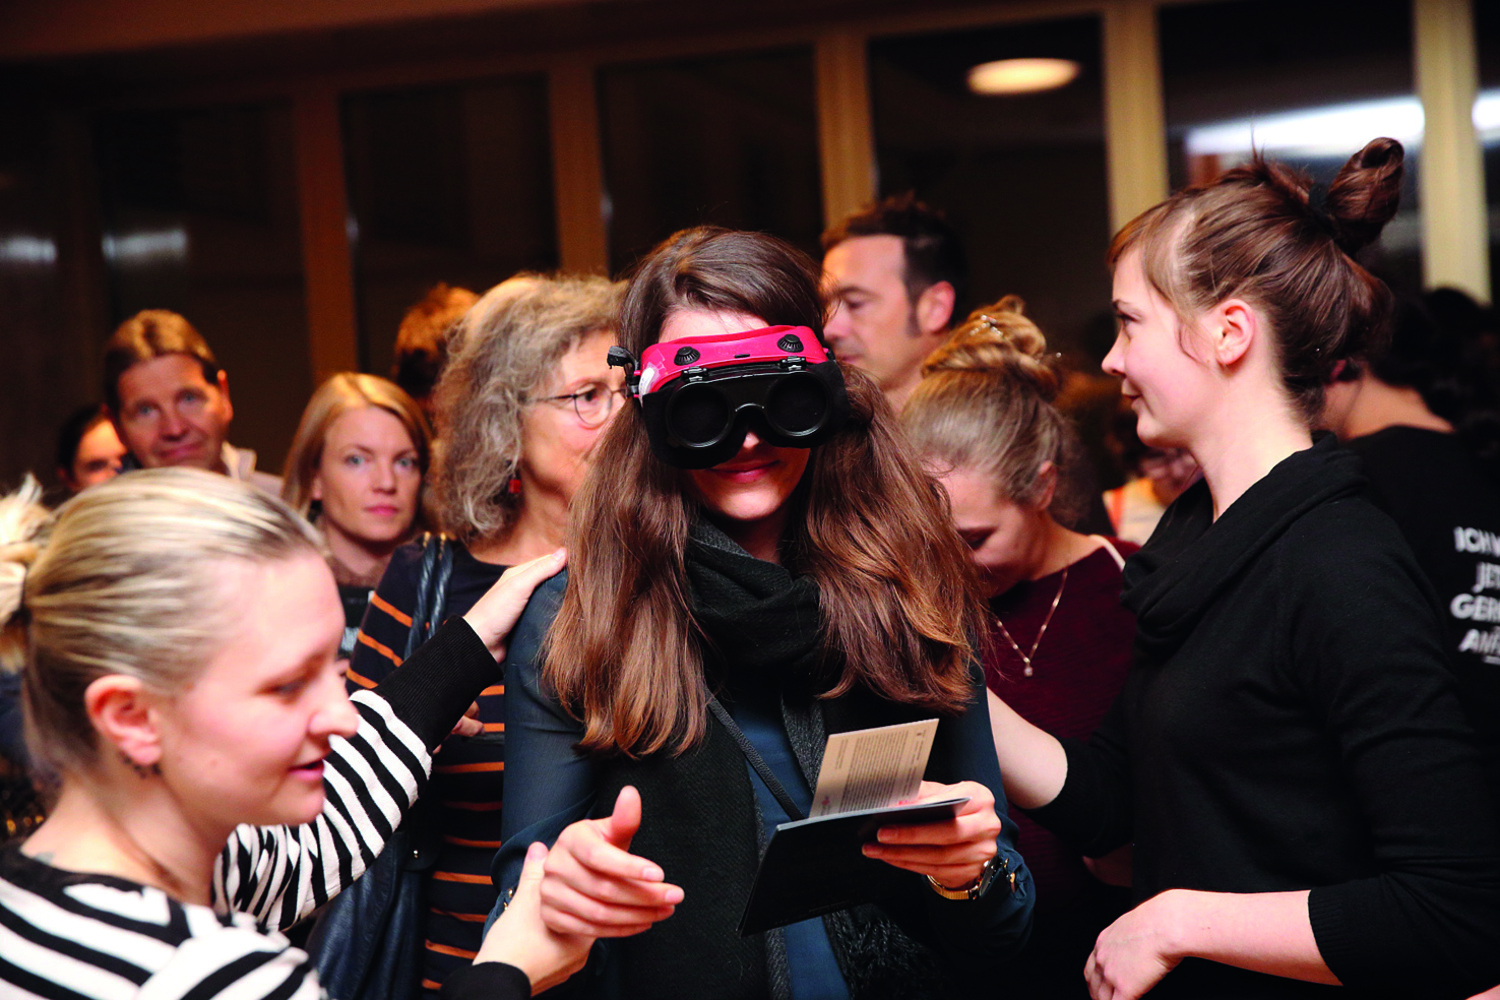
{"points": [[1076, 673]]}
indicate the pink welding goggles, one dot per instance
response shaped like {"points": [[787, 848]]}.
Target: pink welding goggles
{"points": [[700, 394]]}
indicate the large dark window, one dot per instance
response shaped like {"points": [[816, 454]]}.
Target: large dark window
{"points": [[450, 184], [1021, 176], [39, 374], [1487, 120], [728, 140], [1309, 83], [200, 217]]}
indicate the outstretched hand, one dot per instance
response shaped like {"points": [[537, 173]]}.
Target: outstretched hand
{"points": [[496, 613], [520, 938], [595, 886]]}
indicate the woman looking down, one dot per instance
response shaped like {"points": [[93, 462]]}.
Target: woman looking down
{"points": [[985, 422]]}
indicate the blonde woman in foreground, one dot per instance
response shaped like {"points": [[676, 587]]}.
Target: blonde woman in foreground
{"points": [[178, 630]]}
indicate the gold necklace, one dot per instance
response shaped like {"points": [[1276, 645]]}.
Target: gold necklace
{"points": [[1026, 658]]}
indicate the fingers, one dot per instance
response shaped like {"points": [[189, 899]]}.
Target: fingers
{"points": [[594, 886], [586, 845], [953, 851], [469, 724], [626, 819], [975, 822], [567, 911], [1098, 988], [532, 869], [525, 576]]}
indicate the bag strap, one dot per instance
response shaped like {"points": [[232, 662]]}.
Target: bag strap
{"points": [[777, 789], [419, 848], [432, 591]]}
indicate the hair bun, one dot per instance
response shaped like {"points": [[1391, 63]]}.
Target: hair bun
{"points": [[22, 519], [1001, 341], [1366, 193]]}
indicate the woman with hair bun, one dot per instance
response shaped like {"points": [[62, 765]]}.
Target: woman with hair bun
{"points": [[985, 422], [1288, 754]]}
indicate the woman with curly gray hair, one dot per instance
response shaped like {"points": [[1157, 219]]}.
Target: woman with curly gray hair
{"points": [[524, 395]]}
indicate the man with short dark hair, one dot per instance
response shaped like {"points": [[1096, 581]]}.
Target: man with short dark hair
{"points": [[169, 399], [894, 272]]}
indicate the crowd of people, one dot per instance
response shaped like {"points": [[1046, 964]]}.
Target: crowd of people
{"points": [[506, 684]]}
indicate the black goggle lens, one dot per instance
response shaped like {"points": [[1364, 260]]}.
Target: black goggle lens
{"points": [[797, 404], [698, 415]]}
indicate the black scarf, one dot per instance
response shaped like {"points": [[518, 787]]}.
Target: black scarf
{"points": [[1191, 558], [760, 620], [764, 628]]}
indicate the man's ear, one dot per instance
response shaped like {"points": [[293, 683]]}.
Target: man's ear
{"points": [[114, 418], [123, 712], [1234, 328], [934, 308], [223, 382]]}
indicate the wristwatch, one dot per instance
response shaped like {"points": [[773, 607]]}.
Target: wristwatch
{"points": [[994, 866]]}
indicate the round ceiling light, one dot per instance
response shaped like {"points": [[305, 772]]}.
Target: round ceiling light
{"points": [[1022, 76]]}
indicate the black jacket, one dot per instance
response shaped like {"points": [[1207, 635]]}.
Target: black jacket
{"points": [[700, 824]]}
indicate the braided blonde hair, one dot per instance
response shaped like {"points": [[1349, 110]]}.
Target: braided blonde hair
{"points": [[986, 403]]}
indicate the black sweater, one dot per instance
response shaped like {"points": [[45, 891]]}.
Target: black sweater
{"points": [[1289, 723]]}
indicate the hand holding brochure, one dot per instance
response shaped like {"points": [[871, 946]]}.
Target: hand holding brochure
{"points": [[815, 865]]}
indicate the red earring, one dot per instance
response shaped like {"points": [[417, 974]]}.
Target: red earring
{"points": [[514, 487]]}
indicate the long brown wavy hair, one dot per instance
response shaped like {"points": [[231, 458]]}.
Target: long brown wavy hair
{"points": [[898, 598]]}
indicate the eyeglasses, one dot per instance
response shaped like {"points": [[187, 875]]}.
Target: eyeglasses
{"points": [[593, 403]]}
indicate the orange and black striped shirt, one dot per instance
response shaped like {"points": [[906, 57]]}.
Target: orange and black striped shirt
{"points": [[468, 772]]}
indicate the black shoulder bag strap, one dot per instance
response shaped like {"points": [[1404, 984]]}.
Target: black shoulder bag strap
{"points": [[426, 615], [432, 591], [778, 790]]}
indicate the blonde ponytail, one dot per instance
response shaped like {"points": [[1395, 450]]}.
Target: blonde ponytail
{"points": [[23, 521]]}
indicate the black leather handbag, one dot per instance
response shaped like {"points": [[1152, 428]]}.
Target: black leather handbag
{"points": [[367, 943]]}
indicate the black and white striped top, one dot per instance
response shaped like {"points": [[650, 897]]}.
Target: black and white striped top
{"points": [[73, 936]]}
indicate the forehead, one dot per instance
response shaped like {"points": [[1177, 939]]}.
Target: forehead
{"points": [[99, 439], [704, 322], [975, 497], [1131, 285], [283, 612], [586, 361], [368, 425], [866, 260], [161, 376]]}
